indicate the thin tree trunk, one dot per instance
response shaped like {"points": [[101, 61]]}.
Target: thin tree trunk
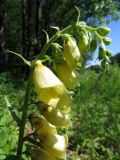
{"points": [[28, 28], [37, 18], [2, 30], [37, 26], [23, 35]]}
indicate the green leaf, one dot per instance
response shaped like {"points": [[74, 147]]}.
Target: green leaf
{"points": [[12, 111], [21, 57]]}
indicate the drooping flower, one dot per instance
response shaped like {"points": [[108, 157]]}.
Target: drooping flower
{"points": [[49, 88], [54, 144], [68, 76], [55, 117], [41, 124], [64, 104], [72, 54], [41, 154]]}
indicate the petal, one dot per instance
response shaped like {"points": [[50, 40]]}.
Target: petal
{"points": [[41, 124], [55, 117], [54, 144], [68, 76], [41, 154], [65, 102], [49, 88]]}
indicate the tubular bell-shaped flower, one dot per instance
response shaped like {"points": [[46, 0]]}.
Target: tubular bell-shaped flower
{"points": [[54, 144], [55, 117], [41, 124], [49, 88], [72, 54], [68, 76], [65, 102], [41, 154]]}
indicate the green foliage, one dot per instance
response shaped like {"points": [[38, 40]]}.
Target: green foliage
{"points": [[8, 128], [95, 115]]}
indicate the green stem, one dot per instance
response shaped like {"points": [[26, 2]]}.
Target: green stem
{"points": [[60, 33], [53, 39], [24, 117], [100, 38], [95, 32]]}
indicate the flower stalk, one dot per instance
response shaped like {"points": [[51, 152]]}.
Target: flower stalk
{"points": [[24, 117]]}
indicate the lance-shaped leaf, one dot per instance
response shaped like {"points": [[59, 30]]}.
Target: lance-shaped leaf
{"points": [[72, 54], [68, 76], [54, 144], [19, 56], [12, 111], [41, 124], [49, 88]]}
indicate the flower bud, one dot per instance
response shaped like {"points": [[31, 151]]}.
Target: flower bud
{"points": [[54, 144], [107, 40], [93, 45], [84, 43], [40, 154], [108, 53], [72, 54], [69, 77], [55, 117], [103, 31], [41, 124], [105, 64], [49, 88], [102, 52]]}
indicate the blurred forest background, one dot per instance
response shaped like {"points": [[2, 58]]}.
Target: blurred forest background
{"points": [[96, 108]]}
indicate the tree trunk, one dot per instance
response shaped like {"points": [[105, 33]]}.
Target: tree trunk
{"points": [[2, 30], [23, 35], [28, 28]]}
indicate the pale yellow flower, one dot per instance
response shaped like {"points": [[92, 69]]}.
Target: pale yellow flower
{"points": [[72, 54], [54, 144], [41, 154], [42, 125], [68, 76], [49, 88], [55, 117]]}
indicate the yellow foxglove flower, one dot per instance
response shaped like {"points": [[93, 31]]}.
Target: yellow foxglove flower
{"points": [[65, 102], [49, 88], [72, 54], [54, 144], [55, 117], [42, 125], [41, 154], [68, 76]]}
